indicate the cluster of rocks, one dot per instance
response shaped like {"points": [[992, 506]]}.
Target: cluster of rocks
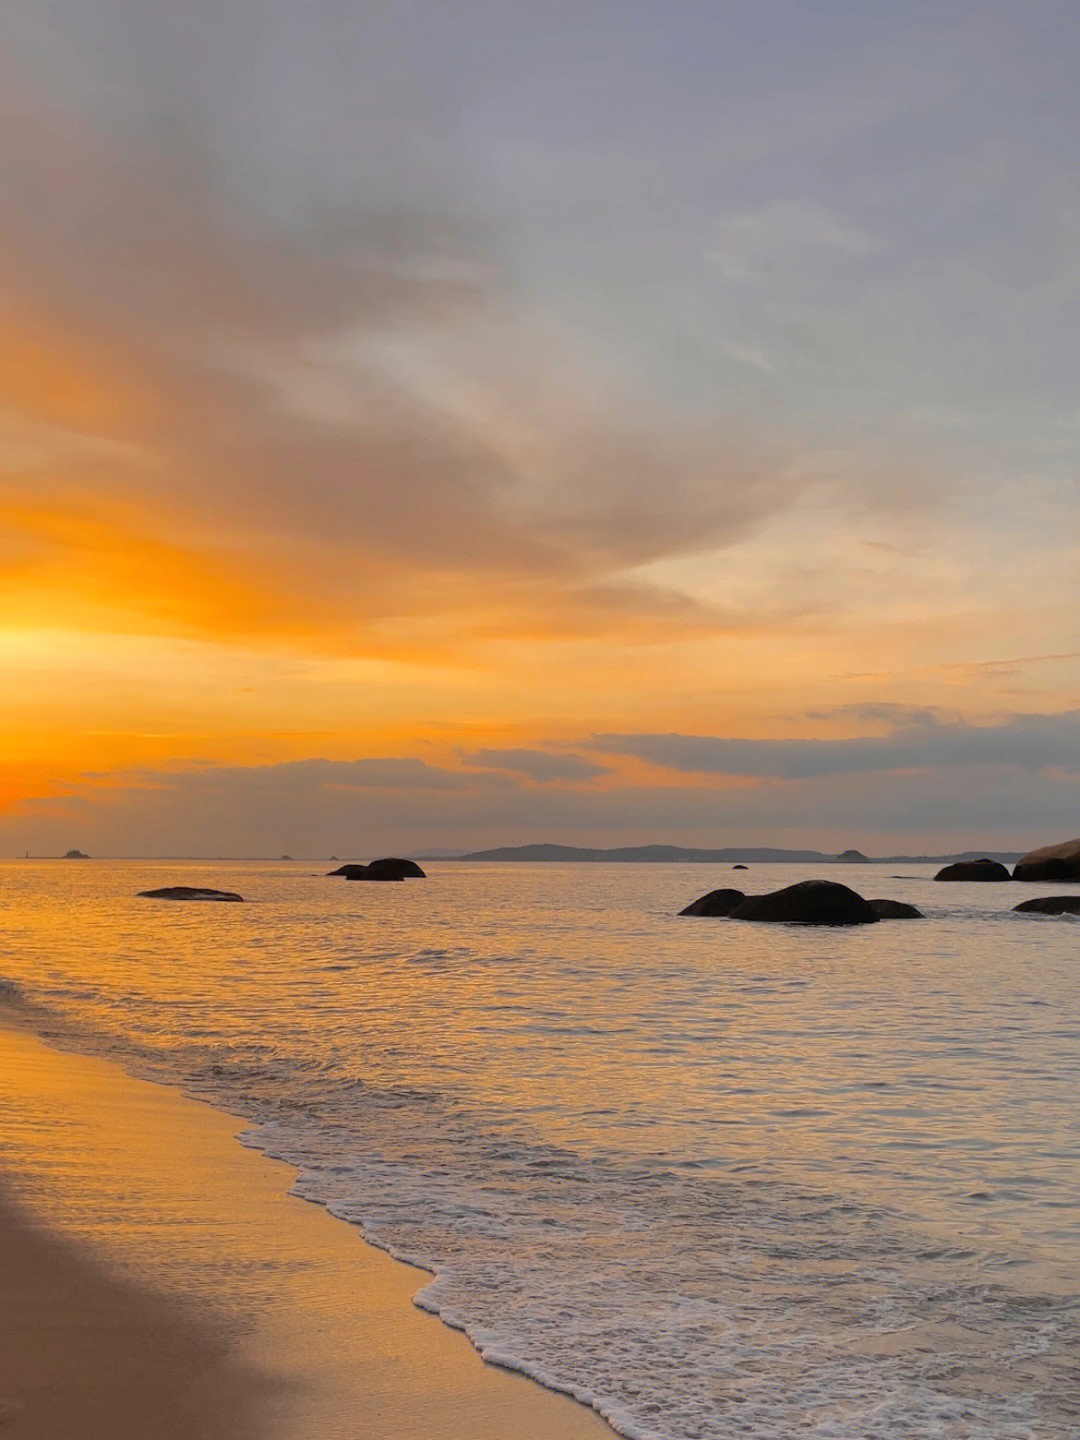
{"points": [[810, 902], [391, 868], [824, 902], [1051, 862]]}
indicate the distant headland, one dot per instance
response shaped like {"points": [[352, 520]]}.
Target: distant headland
{"points": [[735, 854]]}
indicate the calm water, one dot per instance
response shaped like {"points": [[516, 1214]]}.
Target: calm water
{"points": [[718, 1180]]}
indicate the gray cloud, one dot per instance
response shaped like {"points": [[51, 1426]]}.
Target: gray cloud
{"points": [[539, 765], [919, 741], [313, 778], [399, 806]]}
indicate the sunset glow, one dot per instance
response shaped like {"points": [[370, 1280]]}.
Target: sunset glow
{"points": [[414, 435]]}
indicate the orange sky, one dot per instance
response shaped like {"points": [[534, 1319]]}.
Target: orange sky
{"points": [[412, 476]]}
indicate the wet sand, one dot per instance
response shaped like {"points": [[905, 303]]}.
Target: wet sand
{"points": [[86, 1354], [156, 1278]]}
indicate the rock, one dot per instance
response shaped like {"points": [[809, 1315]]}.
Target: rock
{"points": [[853, 857], [189, 892], [974, 870], [895, 910], [740, 867], [394, 869], [1052, 862], [1051, 905], [391, 868], [810, 902], [716, 902]]}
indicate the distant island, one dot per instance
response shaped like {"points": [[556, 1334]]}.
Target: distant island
{"points": [[75, 855], [745, 855]]}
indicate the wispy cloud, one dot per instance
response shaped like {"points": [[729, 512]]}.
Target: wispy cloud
{"points": [[365, 412]]}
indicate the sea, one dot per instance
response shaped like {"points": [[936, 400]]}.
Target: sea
{"points": [[718, 1180]]}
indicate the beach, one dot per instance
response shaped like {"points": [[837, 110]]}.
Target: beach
{"points": [[157, 1279]]}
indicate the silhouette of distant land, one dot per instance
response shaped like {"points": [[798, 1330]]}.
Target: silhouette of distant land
{"points": [[76, 855], [683, 855]]}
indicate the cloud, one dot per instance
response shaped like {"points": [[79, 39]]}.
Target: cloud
{"points": [[539, 765], [917, 740], [359, 418], [397, 805], [782, 232], [312, 778]]}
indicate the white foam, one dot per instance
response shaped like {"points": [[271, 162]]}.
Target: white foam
{"points": [[684, 1307]]}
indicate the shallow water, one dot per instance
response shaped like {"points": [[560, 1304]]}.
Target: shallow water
{"points": [[716, 1179]]}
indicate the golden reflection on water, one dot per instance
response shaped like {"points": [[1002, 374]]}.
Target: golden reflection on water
{"points": [[570, 1004]]}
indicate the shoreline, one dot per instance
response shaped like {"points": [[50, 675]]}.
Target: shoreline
{"points": [[152, 1264]]}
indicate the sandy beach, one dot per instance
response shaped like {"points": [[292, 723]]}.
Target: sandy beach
{"points": [[157, 1279]]}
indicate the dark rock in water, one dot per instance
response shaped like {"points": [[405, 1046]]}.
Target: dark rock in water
{"points": [[1052, 862], [895, 910], [974, 870], [810, 902], [740, 867], [75, 855], [715, 903], [394, 869], [1051, 905], [853, 857], [390, 868], [189, 892]]}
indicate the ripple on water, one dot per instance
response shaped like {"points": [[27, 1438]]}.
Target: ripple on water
{"points": [[715, 1180]]}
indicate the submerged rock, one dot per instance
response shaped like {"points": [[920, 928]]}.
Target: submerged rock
{"points": [[1051, 862], [715, 903], [1051, 905], [895, 910], [810, 902], [983, 869], [189, 892]]}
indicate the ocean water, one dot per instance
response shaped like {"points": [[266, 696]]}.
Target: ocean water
{"points": [[714, 1179]]}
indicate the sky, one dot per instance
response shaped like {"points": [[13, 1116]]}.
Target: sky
{"points": [[440, 425]]}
